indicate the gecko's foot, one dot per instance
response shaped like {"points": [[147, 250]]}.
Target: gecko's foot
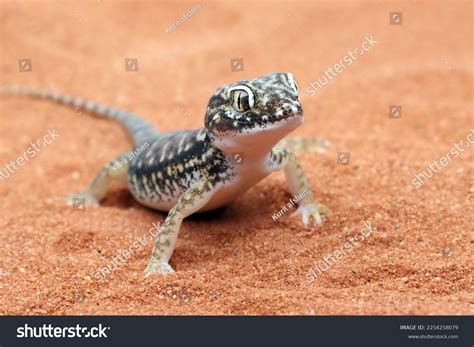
{"points": [[81, 199], [158, 268], [313, 210]]}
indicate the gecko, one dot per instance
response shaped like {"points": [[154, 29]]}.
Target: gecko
{"points": [[190, 171]]}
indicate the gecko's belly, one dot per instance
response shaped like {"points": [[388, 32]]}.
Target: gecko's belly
{"points": [[226, 193], [163, 206]]}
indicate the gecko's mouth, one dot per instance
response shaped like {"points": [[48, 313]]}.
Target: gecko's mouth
{"points": [[288, 117], [271, 120]]}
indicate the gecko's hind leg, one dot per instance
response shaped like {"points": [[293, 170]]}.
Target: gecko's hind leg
{"points": [[115, 170]]}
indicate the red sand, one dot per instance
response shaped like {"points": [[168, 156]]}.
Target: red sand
{"points": [[239, 261]]}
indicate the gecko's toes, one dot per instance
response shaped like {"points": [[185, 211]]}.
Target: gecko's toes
{"points": [[81, 200], [158, 268], [313, 211], [78, 200]]}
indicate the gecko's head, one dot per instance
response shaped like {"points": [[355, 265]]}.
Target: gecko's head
{"points": [[251, 112]]}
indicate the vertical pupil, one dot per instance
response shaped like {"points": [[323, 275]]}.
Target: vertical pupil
{"points": [[240, 100]]}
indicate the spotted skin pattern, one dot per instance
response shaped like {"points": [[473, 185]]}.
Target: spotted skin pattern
{"points": [[185, 172], [160, 175]]}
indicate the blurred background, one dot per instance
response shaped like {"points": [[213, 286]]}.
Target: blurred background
{"points": [[393, 110]]}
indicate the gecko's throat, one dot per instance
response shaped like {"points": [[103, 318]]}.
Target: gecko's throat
{"points": [[257, 136]]}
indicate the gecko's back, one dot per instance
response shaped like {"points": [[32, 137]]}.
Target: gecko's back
{"points": [[159, 175]]}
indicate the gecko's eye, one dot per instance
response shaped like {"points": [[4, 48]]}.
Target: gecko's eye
{"points": [[242, 98], [292, 82]]}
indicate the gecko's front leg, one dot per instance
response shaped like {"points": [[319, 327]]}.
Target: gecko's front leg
{"points": [[298, 184], [191, 201]]}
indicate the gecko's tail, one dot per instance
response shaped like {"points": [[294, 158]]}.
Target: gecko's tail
{"points": [[138, 129]]}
